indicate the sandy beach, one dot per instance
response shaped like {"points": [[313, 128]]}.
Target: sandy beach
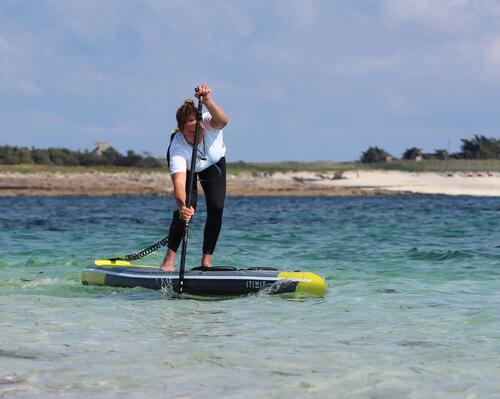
{"points": [[292, 183], [477, 184]]}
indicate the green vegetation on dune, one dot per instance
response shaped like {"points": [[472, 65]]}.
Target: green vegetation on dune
{"points": [[268, 168], [10, 155], [479, 154], [34, 168], [288, 166], [432, 165]]}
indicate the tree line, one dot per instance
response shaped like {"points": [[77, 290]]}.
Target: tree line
{"points": [[479, 147], [63, 157]]}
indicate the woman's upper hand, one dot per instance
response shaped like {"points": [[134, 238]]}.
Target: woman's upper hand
{"points": [[219, 118], [186, 213], [204, 91]]}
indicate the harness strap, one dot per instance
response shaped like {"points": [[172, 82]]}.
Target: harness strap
{"points": [[169, 145]]}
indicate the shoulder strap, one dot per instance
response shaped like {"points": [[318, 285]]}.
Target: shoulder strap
{"points": [[169, 144]]}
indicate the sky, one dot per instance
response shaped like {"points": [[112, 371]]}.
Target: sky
{"points": [[302, 80]]}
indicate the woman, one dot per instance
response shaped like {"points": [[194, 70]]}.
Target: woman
{"points": [[210, 170]]}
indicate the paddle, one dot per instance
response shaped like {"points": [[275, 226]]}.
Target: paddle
{"points": [[189, 193]]}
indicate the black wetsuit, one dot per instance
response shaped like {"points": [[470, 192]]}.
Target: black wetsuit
{"points": [[213, 182]]}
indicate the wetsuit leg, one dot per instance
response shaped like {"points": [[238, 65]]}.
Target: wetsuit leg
{"points": [[213, 181], [176, 232]]}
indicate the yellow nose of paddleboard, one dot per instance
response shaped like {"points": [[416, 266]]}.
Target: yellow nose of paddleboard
{"points": [[309, 283]]}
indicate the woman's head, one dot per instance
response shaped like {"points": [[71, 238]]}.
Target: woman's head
{"points": [[186, 112], [186, 120]]}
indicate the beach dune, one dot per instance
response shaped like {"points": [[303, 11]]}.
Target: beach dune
{"points": [[359, 182]]}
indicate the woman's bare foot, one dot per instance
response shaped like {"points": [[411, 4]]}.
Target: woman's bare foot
{"points": [[206, 260], [165, 267], [168, 262]]}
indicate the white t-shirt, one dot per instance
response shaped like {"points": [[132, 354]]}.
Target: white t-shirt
{"points": [[210, 150]]}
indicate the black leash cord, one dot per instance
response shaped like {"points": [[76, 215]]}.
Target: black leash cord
{"points": [[149, 250]]}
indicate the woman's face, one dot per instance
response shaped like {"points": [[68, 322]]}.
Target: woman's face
{"points": [[189, 128]]}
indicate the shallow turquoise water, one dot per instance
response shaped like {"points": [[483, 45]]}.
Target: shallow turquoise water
{"points": [[412, 310]]}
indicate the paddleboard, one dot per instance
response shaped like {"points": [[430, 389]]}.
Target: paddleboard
{"points": [[216, 280]]}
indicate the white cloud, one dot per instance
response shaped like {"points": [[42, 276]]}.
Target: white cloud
{"points": [[453, 37], [4, 46], [99, 77], [304, 13], [91, 19], [479, 58], [442, 15], [26, 86], [396, 103], [15, 73], [491, 55], [366, 65], [201, 18]]}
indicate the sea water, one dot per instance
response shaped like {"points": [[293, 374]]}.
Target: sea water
{"points": [[412, 308]]}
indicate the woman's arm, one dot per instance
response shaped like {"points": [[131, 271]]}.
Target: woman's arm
{"points": [[179, 182], [219, 117]]}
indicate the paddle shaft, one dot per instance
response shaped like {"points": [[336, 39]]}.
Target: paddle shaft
{"points": [[191, 183]]}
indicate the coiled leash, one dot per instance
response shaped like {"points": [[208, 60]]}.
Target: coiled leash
{"points": [[145, 252]]}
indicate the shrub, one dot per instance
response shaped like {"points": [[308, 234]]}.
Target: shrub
{"points": [[375, 155]]}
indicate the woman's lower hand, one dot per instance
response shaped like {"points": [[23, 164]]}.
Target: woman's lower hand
{"points": [[186, 213]]}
